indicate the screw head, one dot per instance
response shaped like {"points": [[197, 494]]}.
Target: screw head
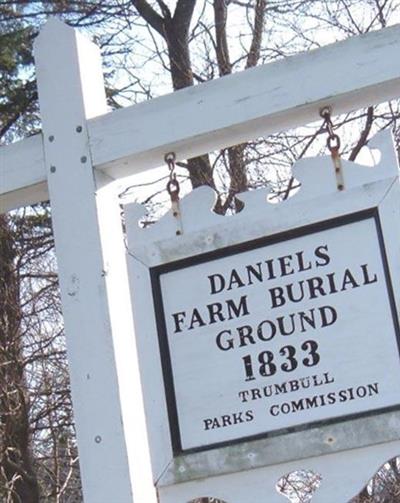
{"points": [[97, 439], [79, 129], [52, 169], [325, 111], [51, 138], [83, 159]]}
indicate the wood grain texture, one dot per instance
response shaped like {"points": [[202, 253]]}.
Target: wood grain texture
{"points": [[348, 75], [269, 98]]}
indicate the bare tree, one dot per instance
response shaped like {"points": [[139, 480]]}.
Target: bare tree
{"points": [[145, 42], [37, 440], [16, 464]]}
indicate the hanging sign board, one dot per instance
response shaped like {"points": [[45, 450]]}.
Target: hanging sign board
{"points": [[280, 319], [278, 332]]}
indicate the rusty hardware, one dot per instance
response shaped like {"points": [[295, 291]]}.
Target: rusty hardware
{"points": [[173, 189], [333, 143], [333, 140], [173, 184]]}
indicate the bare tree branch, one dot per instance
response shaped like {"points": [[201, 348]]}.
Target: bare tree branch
{"points": [[259, 20], [184, 13], [364, 134], [220, 18], [149, 15]]}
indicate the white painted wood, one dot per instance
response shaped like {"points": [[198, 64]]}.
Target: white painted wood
{"points": [[248, 455], [348, 369], [344, 474], [102, 354], [22, 164], [247, 461], [317, 177], [347, 75], [22, 174], [95, 296], [31, 194], [226, 111], [151, 374], [276, 450]]}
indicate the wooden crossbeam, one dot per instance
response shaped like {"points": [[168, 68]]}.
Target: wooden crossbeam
{"points": [[23, 178], [348, 75]]}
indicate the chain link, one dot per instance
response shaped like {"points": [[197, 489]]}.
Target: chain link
{"points": [[333, 140], [333, 143], [173, 189]]}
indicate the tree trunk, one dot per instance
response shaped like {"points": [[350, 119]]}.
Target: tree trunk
{"points": [[15, 457], [199, 168]]}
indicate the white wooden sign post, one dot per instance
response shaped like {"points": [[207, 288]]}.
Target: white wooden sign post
{"points": [[212, 351]]}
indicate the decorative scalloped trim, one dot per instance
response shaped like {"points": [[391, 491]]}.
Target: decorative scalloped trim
{"points": [[316, 175]]}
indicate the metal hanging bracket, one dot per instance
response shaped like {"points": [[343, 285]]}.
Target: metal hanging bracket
{"points": [[173, 189], [333, 143]]}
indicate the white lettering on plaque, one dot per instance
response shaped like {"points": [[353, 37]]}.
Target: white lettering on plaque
{"points": [[278, 333]]}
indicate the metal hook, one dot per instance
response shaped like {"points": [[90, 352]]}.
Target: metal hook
{"points": [[333, 143], [173, 190]]}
